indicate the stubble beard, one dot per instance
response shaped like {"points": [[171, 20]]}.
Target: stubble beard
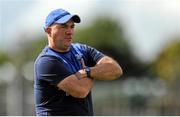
{"points": [[64, 48]]}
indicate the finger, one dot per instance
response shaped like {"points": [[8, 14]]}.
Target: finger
{"points": [[67, 94], [83, 64]]}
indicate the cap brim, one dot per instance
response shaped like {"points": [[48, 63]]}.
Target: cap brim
{"points": [[66, 18]]}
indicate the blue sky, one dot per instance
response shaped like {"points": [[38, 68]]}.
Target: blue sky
{"points": [[148, 24]]}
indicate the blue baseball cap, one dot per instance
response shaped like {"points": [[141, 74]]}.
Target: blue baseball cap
{"points": [[60, 16]]}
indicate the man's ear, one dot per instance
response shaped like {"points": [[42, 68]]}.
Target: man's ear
{"points": [[48, 30]]}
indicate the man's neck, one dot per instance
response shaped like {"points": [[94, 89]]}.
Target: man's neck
{"points": [[59, 50]]}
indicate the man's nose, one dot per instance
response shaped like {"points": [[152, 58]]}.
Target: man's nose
{"points": [[70, 31]]}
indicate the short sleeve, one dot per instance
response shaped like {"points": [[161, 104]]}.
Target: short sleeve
{"points": [[50, 69], [94, 54]]}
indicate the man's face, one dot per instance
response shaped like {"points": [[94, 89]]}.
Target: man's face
{"points": [[62, 35]]}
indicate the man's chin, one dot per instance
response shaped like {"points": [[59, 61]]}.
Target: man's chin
{"points": [[68, 46]]}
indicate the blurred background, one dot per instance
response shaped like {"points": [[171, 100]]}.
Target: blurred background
{"points": [[142, 35]]}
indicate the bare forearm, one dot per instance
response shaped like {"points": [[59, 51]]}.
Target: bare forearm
{"points": [[76, 86], [106, 69]]}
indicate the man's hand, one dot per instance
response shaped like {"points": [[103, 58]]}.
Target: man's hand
{"points": [[82, 72]]}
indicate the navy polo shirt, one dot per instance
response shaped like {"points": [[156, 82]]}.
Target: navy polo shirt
{"points": [[50, 68]]}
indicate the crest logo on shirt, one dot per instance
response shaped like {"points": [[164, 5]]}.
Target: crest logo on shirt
{"points": [[78, 56]]}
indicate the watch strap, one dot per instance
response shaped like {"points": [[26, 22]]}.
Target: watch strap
{"points": [[88, 72]]}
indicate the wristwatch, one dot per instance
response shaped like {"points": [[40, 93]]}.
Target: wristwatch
{"points": [[88, 72]]}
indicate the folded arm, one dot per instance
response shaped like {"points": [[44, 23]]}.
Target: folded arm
{"points": [[76, 85], [106, 69]]}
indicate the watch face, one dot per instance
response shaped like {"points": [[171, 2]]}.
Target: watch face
{"points": [[88, 69]]}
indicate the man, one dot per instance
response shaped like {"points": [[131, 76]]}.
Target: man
{"points": [[65, 71]]}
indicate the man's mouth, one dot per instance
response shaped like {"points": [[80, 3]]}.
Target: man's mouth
{"points": [[69, 38]]}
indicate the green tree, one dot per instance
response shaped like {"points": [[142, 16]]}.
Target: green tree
{"points": [[167, 65], [3, 57]]}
